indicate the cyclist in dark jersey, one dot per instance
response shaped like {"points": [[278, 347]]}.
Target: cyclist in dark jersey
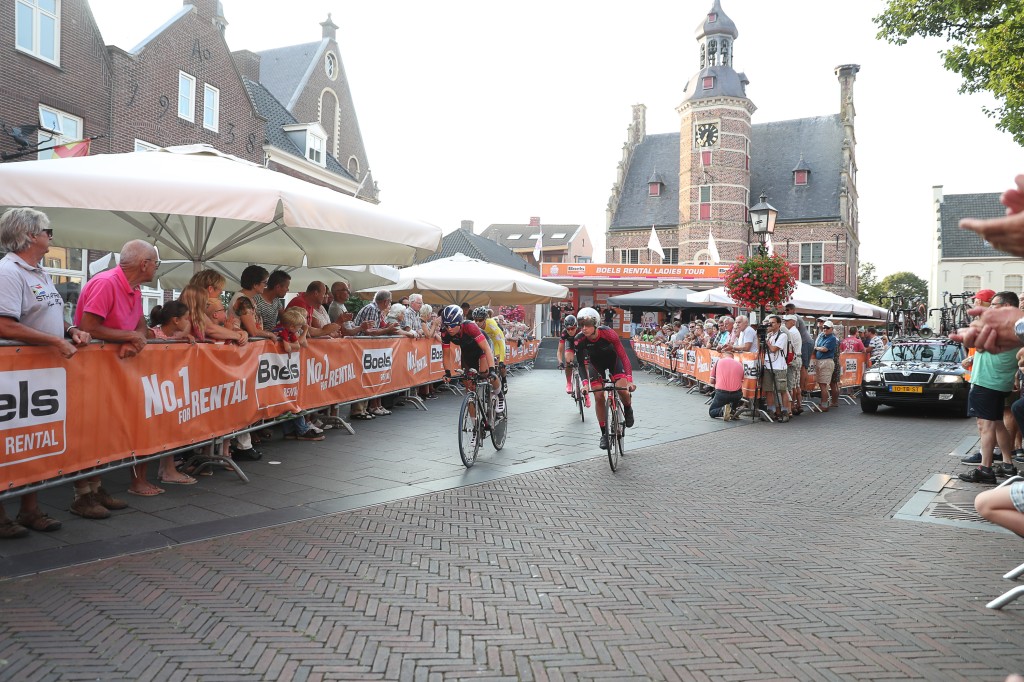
{"points": [[600, 349], [476, 352], [567, 352]]}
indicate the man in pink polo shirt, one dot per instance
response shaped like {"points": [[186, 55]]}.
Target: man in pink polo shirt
{"points": [[727, 378], [110, 309]]}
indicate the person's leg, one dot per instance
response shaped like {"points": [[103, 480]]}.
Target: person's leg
{"points": [[988, 440], [718, 403], [997, 505], [167, 473]]}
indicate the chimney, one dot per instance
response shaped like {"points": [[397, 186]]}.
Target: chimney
{"points": [[212, 10], [330, 29], [847, 74], [248, 64], [467, 225], [535, 221]]}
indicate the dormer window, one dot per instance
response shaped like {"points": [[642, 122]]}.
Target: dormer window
{"points": [[311, 139], [712, 17], [315, 148], [800, 177], [654, 189], [709, 82]]}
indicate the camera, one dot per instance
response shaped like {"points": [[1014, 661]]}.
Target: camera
{"points": [[762, 333]]}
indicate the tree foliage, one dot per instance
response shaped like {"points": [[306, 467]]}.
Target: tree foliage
{"points": [[867, 283], [986, 43], [905, 284]]}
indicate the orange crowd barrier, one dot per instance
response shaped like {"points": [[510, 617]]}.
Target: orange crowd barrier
{"points": [[58, 417], [697, 363]]}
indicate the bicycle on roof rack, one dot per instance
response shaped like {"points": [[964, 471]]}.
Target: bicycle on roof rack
{"points": [[906, 317]]}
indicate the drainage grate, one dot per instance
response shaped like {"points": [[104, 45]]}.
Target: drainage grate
{"points": [[953, 512]]}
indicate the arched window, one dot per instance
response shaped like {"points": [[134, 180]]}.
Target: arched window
{"points": [[353, 167], [702, 257], [972, 283]]}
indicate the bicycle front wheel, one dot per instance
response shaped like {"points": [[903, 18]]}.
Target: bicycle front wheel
{"points": [[611, 430], [469, 428], [579, 395], [499, 427]]}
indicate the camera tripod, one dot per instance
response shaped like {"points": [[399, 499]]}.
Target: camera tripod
{"points": [[758, 412]]}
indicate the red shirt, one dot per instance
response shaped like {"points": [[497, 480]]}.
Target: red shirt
{"points": [[851, 344], [301, 302], [111, 298]]}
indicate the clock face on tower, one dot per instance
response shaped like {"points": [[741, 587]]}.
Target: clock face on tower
{"points": [[707, 135]]}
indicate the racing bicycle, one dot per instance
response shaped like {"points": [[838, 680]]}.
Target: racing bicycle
{"points": [[579, 392], [615, 418], [478, 415]]}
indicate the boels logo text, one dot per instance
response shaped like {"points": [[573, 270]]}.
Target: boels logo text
{"points": [[32, 411], [436, 354], [376, 367], [277, 379]]}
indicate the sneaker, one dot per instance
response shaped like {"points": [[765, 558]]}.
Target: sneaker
{"points": [[974, 459], [628, 420], [247, 454], [1018, 456], [88, 507], [604, 441], [500, 407], [568, 387], [727, 412], [979, 475], [784, 418], [315, 430], [104, 498], [1004, 469]]}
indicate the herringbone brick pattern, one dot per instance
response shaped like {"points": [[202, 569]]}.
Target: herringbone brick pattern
{"points": [[764, 552]]}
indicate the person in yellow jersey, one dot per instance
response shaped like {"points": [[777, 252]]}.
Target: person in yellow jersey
{"points": [[495, 338]]}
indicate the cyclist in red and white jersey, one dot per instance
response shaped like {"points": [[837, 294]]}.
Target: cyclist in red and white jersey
{"points": [[600, 349]]}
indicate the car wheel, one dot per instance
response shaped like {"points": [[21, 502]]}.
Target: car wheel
{"points": [[868, 406]]}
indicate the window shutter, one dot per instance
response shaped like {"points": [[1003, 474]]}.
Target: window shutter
{"points": [[828, 273]]}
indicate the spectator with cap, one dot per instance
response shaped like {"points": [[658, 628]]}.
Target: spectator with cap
{"points": [[794, 371], [826, 350]]}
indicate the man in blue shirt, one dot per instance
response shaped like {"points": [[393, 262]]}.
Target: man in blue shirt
{"points": [[826, 351]]}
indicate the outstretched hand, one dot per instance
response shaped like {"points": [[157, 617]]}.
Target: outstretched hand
{"points": [[991, 330], [1005, 233]]}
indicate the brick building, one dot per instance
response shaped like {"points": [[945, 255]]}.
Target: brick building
{"points": [[182, 84], [559, 243], [702, 180]]}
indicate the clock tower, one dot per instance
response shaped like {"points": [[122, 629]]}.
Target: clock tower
{"points": [[714, 148]]}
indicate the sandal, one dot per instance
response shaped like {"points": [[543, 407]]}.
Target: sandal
{"points": [[39, 521], [380, 411], [362, 416], [305, 436]]}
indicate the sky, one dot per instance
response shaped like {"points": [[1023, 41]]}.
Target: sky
{"points": [[496, 112]]}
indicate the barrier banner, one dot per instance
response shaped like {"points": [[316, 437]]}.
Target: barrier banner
{"points": [[58, 417], [697, 364]]}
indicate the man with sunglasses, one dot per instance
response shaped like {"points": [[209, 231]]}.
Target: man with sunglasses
{"points": [[567, 353], [600, 349], [476, 352]]}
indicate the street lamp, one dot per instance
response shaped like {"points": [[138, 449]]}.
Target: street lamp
{"points": [[762, 219]]}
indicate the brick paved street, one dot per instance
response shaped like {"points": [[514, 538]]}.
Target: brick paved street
{"points": [[717, 551]]}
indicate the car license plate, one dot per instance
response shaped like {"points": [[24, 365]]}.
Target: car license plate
{"points": [[905, 389]]}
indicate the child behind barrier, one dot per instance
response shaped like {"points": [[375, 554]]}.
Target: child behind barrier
{"points": [[170, 321]]}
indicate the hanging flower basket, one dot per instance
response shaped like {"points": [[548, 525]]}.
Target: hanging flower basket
{"points": [[760, 281]]}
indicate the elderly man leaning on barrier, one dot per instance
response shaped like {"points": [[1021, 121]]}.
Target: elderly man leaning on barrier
{"points": [[31, 312], [110, 309]]}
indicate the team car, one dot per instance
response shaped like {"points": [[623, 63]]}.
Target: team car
{"points": [[919, 372]]}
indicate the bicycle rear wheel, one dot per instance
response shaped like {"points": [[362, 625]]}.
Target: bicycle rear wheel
{"points": [[500, 426], [469, 431], [611, 429]]}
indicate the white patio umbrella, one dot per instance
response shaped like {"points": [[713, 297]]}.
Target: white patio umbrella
{"points": [[806, 298], [176, 274], [458, 279], [197, 204]]}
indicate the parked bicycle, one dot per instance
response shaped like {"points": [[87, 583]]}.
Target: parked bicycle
{"points": [[614, 425], [478, 416]]}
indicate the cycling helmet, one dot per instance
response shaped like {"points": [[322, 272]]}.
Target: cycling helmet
{"points": [[586, 314], [480, 313], [451, 316], [570, 321]]}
